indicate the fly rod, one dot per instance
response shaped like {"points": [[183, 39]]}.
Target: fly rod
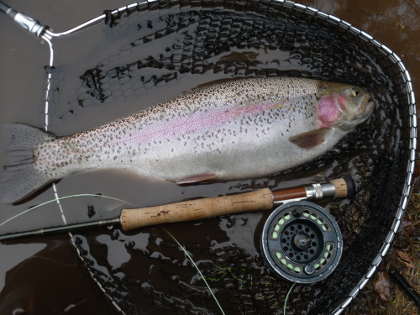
{"points": [[258, 200]]}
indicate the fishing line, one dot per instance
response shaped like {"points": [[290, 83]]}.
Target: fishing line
{"points": [[188, 255], [92, 275], [59, 199], [287, 297]]}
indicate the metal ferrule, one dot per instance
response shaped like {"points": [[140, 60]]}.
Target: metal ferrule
{"points": [[29, 24], [319, 191]]}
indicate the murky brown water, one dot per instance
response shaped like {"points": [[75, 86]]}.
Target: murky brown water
{"points": [[145, 272]]}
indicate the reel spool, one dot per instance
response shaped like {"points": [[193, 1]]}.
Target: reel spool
{"points": [[302, 242]]}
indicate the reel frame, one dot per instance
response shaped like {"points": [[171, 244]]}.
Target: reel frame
{"points": [[302, 242]]}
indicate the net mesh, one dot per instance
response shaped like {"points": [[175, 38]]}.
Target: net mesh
{"points": [[155, 51]]}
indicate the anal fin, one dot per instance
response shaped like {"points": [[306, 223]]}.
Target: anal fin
{"points": [[200, 178]]}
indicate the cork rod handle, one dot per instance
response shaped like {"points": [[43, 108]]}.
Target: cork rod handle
{"points": [[196, 209]]}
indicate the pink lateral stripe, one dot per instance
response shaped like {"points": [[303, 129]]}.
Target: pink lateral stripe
{"points": [[195, 122]]}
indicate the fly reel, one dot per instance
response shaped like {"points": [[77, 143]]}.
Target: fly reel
{"points": [[302, 242]]}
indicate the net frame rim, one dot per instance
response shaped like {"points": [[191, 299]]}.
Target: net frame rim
{"points": [[48, 36]]}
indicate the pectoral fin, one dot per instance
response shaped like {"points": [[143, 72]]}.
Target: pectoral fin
{"points": [[200, 178], [310, 139]]}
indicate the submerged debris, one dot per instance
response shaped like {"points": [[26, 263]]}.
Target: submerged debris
{"points": [[382, 286]]}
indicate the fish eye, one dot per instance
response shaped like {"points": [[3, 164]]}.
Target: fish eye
{"points": [[355, 92], [351, 92]]}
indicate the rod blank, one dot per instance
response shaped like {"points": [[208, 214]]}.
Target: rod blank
{"points": [[59, 229]]}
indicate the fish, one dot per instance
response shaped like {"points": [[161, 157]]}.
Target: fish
{"points": [[231, 130]]}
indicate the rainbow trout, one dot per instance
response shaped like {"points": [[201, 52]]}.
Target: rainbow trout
{"points": [[227, 130]]}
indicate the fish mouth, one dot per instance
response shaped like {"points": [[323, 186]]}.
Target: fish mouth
{"points": [[363, 106], [354, 116], [366, 106], [370, 106]]}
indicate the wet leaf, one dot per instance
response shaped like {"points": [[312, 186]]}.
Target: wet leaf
{"points": [[382, 286]]}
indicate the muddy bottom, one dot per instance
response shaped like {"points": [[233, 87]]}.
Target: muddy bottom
{"points": [[103, 270]]}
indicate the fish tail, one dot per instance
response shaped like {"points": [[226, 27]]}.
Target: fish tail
{"points": [[18, 176]]}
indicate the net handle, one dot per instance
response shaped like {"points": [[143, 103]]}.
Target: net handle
{"points": [[26, 22], [7, 9]]}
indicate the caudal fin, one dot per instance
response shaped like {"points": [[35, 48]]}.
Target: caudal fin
{"points": [[18, 176]]}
